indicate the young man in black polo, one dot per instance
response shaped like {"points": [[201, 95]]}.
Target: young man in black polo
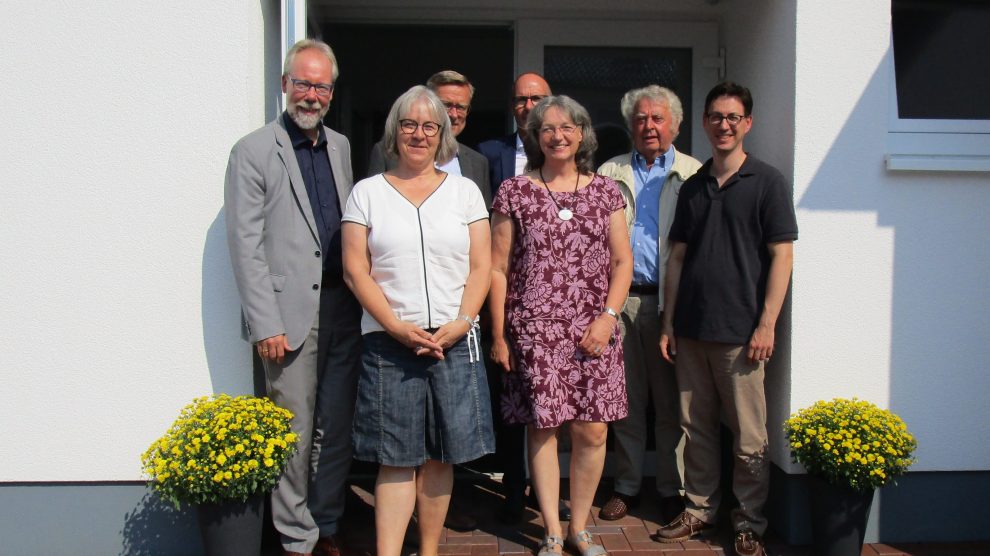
{"points": [[729, 268]]}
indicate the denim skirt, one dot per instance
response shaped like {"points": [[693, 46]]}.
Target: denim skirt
{"points": [[412, 408]]}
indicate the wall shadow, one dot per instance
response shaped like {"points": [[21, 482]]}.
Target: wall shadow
{"points": [[228, 356], [156, 527]]}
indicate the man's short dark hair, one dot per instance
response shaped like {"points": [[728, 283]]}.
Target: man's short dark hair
{"points": [[730, 89]]}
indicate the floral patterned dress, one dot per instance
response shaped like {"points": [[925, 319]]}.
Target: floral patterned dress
{"points": [[557, 285]]}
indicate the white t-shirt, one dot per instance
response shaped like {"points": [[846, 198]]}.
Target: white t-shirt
{"points": [[419, 256]]}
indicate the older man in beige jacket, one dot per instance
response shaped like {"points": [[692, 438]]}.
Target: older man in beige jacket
{"points": [[650, 179]]}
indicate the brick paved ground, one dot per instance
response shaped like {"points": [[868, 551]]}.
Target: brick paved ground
{"points": [[629, 536]]}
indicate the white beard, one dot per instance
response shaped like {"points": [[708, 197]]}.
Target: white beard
{"points": [[306, 121]]}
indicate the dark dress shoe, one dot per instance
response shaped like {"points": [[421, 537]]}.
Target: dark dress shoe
{"points": [[460, 521], [513, 508], [684, 528], [326, 546], [670, 508], [618, 506], [748, 543], [290, 553]]}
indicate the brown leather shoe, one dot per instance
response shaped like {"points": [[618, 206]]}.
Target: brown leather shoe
{"points": [[618, 506], [749, 543], [326, 546], [670, 508], [684, 528]]}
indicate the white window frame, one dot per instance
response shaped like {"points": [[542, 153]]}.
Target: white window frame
{"points": [[293, 13], [933, 145]]}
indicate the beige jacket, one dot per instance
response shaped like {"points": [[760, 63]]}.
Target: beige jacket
{"points": [[620, 169]]}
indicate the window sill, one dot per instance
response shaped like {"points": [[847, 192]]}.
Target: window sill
{"points": [[938, 152], [937, 163]]}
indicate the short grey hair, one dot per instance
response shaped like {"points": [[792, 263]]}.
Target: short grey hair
{"points": [[449, 77], [656, 93], [402, 105], [589, 142], [306, 44]]}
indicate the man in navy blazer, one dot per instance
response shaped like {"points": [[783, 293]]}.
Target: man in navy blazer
{"points": [[285, 187], [506, 157]]}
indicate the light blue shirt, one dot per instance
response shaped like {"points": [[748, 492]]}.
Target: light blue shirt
{"points": [[452, 167], [645, 234]]}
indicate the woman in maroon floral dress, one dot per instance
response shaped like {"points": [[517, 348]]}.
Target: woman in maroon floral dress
{"points": [[561, 271]]}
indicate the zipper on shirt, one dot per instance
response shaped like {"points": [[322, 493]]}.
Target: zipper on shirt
{"points": [[426, 285]]}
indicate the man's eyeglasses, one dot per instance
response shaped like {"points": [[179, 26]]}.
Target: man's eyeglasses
{"points": [[521, 101], [715, 119], [302, 87], [550, 131], [429, 128], [459, 108]]}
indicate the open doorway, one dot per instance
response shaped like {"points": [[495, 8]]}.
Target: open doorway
{"points": [[379, 62]]}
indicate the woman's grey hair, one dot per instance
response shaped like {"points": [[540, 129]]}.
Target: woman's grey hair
{"points": [[584, 157], [305, 44], [656, 93], [402, 105]]}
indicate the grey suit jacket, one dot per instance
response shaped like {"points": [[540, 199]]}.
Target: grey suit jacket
{"points": [[274, 245], [474, 166]]}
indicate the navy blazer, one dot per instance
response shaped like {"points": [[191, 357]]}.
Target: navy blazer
{"points": [[501, 155]]}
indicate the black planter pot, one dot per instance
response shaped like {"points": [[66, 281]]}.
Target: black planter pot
{"points": [[232, 528], [838, 518]]}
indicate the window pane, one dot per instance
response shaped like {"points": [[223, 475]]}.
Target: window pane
{"points": [[597, 77], [940, 58]]}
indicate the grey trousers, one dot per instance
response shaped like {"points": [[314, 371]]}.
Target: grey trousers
{"points": [[717, 378], [647, 374], [318, 384]]}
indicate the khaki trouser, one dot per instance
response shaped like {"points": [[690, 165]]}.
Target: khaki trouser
{"points": [[647, 374], [714, 378]]}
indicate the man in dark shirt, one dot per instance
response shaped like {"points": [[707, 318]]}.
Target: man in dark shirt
{"points": [[729, 268], [286, 185]]}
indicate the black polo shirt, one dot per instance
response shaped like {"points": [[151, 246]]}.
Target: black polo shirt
{"points": [[724, 277], [321, 188]]}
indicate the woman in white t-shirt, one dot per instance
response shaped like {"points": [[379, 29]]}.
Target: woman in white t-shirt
{"points": [[416, 249]]}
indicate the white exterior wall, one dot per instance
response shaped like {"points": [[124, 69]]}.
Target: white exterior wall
{"points": [[890, 295], [119, 305], [911, 284]]}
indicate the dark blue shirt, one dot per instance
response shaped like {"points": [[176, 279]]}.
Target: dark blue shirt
{"points": [[314, 164]]}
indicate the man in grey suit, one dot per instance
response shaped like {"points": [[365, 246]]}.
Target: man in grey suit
{"points": [[285, 188], [456, 92]]}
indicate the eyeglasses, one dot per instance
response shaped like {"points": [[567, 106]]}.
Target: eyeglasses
{"points": [[641, 119], [459, 108], [715, 119], [302, 87], [550, 131], [521, 101], [429, 128]]}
